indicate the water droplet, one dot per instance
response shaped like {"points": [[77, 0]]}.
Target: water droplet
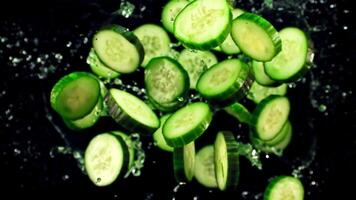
{"points": [[345, 27], [17, 151], [69, 44], [126, 9], [65, 177], [344, 94], [85, 40], [322, 108]]}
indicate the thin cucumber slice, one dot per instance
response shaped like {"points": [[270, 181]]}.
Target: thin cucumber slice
{"points": [[118, 48], [284, 187], [240, 112], [258, 92], [256, 37], [167, 83], [195, 62], [158, 135], [261, 77], [75, 95], [88, 120], [225, 82], [100, 68], [155, 41], [106, 157], [131, 112], [130, 146], [204, 170], [270, 116], [226, 161], [183, 162], [229, 47], [170, 12], [203, 24], [187, 124], [290, 63]]}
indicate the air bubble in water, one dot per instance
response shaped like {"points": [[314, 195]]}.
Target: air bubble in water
{"points": [[322, 108]]}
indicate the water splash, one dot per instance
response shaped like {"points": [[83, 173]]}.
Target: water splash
{"points": [[251, 154], [126, 9], [140, 156]]}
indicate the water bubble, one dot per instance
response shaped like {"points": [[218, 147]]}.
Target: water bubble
{"points": [[345, 27], [65, 177], [322, 108]]}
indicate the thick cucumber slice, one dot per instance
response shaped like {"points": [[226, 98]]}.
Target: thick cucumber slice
{"points": [[155, 41], [187, 124], [284, 187], [106, 157], [258, 92], [225, 82], [75, 95], [158, 135], [170, 12], [270, 116], [261, 77], [131, 112], [229, 47], [240, 112], [203, 24], [118, 49], [87, 121], [256, 37], [167, 83], [195, 62], [226, 161], [204, 171], [290, 63], [130, 146], [183, 162], [100, 68]]}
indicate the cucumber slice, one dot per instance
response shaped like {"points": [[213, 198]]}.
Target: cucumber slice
{"points": [[240, 112], [290, 63], [100, 68], [118, 48], [203, 24], [281, 136], [170, 12], [225, 82], [258, 92], [226, 161], [183, 162], [88, 120], [204, 171], [270, 116], [167, 83], [106, 158], [256, 37], [155, 41], [284, 187], [187, 124], [260, 74], [130, 146], [75, 95], [195, 62], [158, 135], [131, 112]]}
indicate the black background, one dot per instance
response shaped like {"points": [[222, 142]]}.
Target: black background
{"points": [[56, 32]]}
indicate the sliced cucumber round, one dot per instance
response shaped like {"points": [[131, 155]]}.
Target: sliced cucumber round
{"points": [[258, 92], [290, 63], [75, 95], [118, 48], [195, 62], [100, 68], [204, 171], [240, 112], [203, 24], [167, 83], [270, 116], [170, 12], [158, 135], [225, 82], [183, 162], [131, 112], [155, 41], [227, 163], [187, 124], [261, 77], [256, 37], [106, 157], [284, 187]]}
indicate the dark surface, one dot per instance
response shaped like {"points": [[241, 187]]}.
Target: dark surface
{"points": [[42, 41]]}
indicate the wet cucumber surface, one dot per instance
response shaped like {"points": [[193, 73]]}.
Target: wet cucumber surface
{"points": [[39, 44]]}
